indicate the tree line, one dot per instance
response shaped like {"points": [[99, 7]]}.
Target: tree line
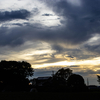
{"points": [[14, 76]]}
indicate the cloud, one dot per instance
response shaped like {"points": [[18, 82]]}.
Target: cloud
{"points": [[57, 47], [18, 24], [87, 72], [74, 66], [93, 48], [47, 15], [17, 14], [77, 29], [10, 38], [79, 23]]}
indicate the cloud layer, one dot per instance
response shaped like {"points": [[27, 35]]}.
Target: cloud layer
{"points": [[79, 24]]}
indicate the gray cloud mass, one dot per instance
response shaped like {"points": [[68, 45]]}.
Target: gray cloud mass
{"points": [[11, 15], [80, 23]]}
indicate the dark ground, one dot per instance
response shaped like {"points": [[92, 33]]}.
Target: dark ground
{"points": [[50, 96]]}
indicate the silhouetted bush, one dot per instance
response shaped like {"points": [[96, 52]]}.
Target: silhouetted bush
{"points": [[76, 83]]}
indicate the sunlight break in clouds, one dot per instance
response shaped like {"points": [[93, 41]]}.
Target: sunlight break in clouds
{"points": [[63, 63], [95, 61]]}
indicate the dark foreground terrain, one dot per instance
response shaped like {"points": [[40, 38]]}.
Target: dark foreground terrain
{"points": [[50, 96]]}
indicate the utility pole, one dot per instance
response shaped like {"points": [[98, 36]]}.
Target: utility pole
{"points": [[52, 73], [87, 82]]}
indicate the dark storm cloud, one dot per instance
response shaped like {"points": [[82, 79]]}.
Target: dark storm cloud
{"points": [[57, 47], [19, 35], [80, 22], [70, 56], [77, 29], [81, 54], [47, 15], [93, 48], [10, 37], [11, 15]]}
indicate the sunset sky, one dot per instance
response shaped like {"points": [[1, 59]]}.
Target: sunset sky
{"points": [[51, 34]]}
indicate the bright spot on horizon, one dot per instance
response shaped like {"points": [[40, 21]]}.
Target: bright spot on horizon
{"points": [[95, 61], [63, 63]]}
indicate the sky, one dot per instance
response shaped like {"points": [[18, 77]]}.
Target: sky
{"points": [[52, 34]]}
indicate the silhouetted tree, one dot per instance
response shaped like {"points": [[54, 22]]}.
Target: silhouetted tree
{"points": [[76, 83], [63, 73], [75, 80], [98, 78], [15, 73]]}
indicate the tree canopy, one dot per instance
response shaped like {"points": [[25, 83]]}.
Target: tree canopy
{"points": [[98, 78], [15, 72], [63, 73], [75, 80]]}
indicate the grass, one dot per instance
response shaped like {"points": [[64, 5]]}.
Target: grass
{"points": [[50, 96]]}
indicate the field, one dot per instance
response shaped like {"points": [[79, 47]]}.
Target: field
{"points": [[50, 96]]}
